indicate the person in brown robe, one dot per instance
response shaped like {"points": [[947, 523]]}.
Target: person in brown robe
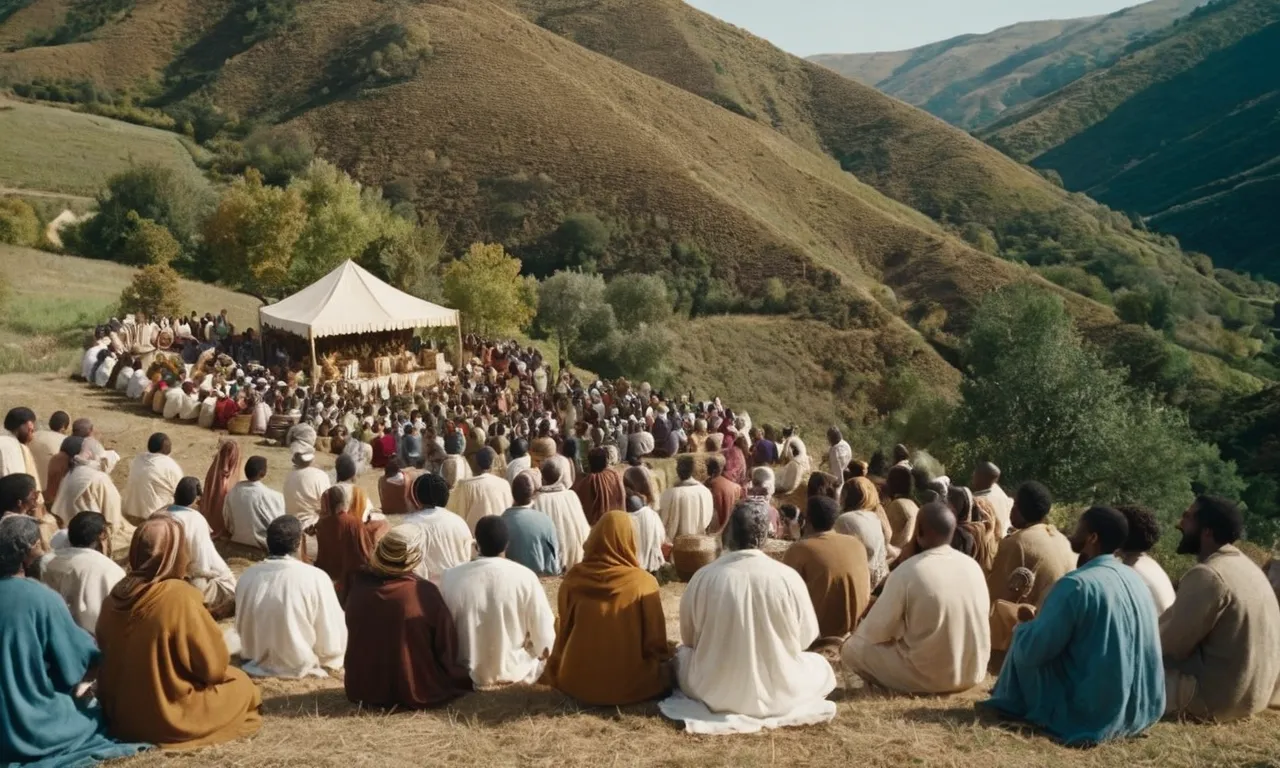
{"points": [[343, 541], [611, 633], [166, 675], [223, 475], [834, 568], [601, 490], [395, 489], [401, 640], [724, 492]]}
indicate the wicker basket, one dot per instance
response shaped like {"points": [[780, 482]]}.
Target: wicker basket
{"points": [[382, 366], [239, 425], [692, 551]]}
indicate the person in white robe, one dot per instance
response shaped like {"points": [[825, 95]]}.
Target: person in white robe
{"points": [[454, 470], [81, 572], [87, 488], [745, 622], [174, 399], [206, 571], [447, 539], [15, 445], [1144, 534], [251, 506], [558, 501], [929, 632], [261, 417], [520, 459], [153, 477], [46, 443], [138, 384], [208, 410], [483, 495], [287, 613], [102, 370], [687, 507], [126, 376], [797, 468], [90, 357], [303, 489], [839, 455], [649, 534], [505, 624]]}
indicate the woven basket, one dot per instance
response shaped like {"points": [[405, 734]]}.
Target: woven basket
{"points": [[239, 425], [382, 366], [691, 552]]}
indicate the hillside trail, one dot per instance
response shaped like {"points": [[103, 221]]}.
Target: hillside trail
{"points": [[44, 193]]}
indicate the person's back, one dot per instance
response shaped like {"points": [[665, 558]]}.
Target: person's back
{"points": [[686, 508], [83, 577], [835, 572], [564, 509], [533, 540], [248, 510], [302, 491], [447, 541], [1036, 545]]}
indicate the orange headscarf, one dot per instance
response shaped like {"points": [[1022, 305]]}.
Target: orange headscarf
{"points": [[609, 562], [223, 474], [157, 553]]}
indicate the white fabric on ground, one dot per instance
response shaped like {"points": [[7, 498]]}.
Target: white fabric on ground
{"points": [[699, 719]]}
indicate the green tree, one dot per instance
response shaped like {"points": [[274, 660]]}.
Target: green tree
{"points": [[583, 239], [338, 226], [407, 256], [149, 243], [638, 300], [572, 308], [19, 224], [486, 287], [151, 192], [155, 290], [253, 234]]}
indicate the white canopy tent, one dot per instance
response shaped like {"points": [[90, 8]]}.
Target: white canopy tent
{"points": [[350, 300]]}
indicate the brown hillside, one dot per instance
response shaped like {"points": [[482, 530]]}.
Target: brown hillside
{"points": [[39, 16]]}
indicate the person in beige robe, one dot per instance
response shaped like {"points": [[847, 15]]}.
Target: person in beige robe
{"points": [[928, 632], [46, 444], [686, 508], [1036, 545], [82, 573], [15, 451], [88, 488], [1221, 638], [558, 502], [153, 477], [483, 495]]}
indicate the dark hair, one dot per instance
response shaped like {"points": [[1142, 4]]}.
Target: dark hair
{"points": [[1221, 516], [430, 490], [821, 512], [714, 468], [519, 447], [186, 492], [684, 467], [1110, 525], [284, 535], [789, 511], [551, 473], [255, 468], [155, 443], [900, 482], [1034, 501], [393, 466], [72, 445], [16, 417], [522, 489], [822, 484], [491, 536], [59, 421], [14, 489], [484, 458], [877, 464], [85, 529], [597, 460], [1144, 528], [345, 468]]}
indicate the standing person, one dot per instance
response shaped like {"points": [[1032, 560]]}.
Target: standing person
{"points": [[520, 460], [1087, 668], [46, 443], [87, 487], [42, 723], [611, 648], [1144, 533], [531, 536], [251, 506], [483, 495], [986, 484], [166, 675], [153, 477], [82, 573], [564, 508], [834, 568], [504, 621], [383, 444], [1035, 545], [447, 541], [287, 613], [1221, 638], [208, 572], [839, 455], [724, 493], [392, 662], [687, 507], [928, 633], [223, 475], [601, 490]]}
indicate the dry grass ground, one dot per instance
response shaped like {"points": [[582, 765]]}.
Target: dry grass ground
{"points": [[310, 723]]}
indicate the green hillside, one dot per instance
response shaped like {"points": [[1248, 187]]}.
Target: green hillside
{"points": [[971, 80]]}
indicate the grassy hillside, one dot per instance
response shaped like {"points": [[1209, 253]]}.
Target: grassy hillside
{"points": [[58, 150], [971, 80]]}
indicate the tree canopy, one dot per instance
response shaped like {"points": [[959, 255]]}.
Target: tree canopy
{"points": [[485, 285]]}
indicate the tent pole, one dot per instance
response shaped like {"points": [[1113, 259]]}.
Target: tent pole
{"points": [[315, 361], [458, 327]]}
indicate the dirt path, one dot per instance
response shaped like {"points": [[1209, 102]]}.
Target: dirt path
{"points": [[44, 193]]}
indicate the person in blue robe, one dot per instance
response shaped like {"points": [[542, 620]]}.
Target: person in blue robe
{"points": [[1088, 667], [44, 655]]}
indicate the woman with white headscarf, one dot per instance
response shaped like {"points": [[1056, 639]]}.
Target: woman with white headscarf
{"points": [[797, 469]]}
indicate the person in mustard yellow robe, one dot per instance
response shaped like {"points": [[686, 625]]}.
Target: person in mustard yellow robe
{"points": [[166, 675], [611, 635]]}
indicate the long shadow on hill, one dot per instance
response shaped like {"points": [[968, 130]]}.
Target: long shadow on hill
{"points": [[245, 23]]}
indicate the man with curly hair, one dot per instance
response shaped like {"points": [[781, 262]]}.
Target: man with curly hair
{"points": [[1144, 532]]}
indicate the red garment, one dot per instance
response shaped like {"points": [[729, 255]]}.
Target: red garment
{"points": [[345, 542], [600, 494], [224, 411], [401, 645], [384, 447], [223, 475], [724, 494], [735, 465]]}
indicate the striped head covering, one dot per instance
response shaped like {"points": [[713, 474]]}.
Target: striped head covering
{"points": [[399, 553]]}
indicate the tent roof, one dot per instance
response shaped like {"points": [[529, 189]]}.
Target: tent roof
{"points": [[351, 300]]}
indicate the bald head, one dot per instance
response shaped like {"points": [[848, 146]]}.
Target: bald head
{"points": [[936, 524]]}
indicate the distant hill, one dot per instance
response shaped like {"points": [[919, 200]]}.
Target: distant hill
{"points": [[971, 80], [1183, 131]]}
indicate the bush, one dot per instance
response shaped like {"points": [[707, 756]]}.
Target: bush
{"points": [[582, 239], [486, 287], [1077, 280], [279, 153], [19, 224], [638, 300], [149, 192], [149, 243], [155, 290]]}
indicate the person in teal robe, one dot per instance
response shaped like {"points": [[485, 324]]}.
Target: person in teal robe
{"points": [[533, 542], [1088, 667], [44, 655]]}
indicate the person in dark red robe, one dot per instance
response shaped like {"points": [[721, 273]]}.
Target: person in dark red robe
{"points": [[601, 491], [344, 542], [384, 446], [401, 640], [226, 409], [724, 492]]}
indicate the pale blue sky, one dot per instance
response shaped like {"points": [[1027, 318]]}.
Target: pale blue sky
{"points": [[806, 27]]}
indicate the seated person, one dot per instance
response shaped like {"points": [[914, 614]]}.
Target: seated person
{"points": [[686, 507], [287, 612], [834, 568], [393, 488], [504, 621], [650, 534], [611, 645], [343, 542], [82, 573], [42, 721], [1221, 638], [746, 621], [482, 495], [251, 506], [208, 572], [531, 534], [557, 501], [1087, 667], [1144, 533], [447, 541], [1034, 545], [928, 632], [166, 675], [392, 662]]}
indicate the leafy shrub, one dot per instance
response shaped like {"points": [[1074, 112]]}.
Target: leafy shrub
{"points": [[279, 153], [19, 224], [638, 300], [486, 287], [149, 192], [1077, 280], [155, 290], [84, 17], [149, 243]]}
